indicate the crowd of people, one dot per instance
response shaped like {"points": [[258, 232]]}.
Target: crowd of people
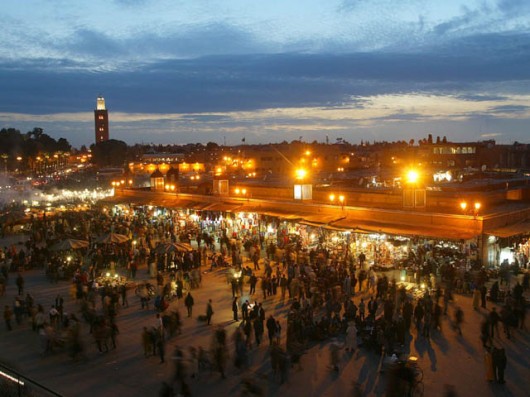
{"points": [[331, 297]]}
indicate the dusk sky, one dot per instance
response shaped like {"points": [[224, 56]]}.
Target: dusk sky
{"points": [[222, 70]]}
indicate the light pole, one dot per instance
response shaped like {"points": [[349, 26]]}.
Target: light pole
{"points": [[341, 201]]}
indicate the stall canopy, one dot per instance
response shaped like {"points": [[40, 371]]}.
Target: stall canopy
{"points": [[361, 226], [166, 248], [510, 230], [223, 207], [69, 244], [320, 220], [113, 238]]}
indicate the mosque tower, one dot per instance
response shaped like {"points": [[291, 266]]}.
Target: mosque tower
{"points": [[101, 118]]}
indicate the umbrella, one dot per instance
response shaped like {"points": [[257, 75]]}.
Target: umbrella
{"points": [[166, 248], [110, 238], [69, 244]]}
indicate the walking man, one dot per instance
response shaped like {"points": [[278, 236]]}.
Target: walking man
{"points": [[188, 301], [209, 312], [235, 308], [20, 284]]}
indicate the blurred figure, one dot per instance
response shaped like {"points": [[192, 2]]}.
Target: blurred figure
{"points": [[459, 319]]}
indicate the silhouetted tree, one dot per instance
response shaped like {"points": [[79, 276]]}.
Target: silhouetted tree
{"points": [[109, 153]]}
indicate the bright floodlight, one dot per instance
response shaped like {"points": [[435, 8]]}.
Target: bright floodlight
{"points": [[413, 176], [301, 173]]}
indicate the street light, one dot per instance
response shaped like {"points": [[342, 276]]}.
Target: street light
{"points": [[413, 176], [414, 195], [476, 207], [301, 173], [341, 201], [243, 192]]}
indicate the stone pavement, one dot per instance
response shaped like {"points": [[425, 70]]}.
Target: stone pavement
{"points": [[446, 359]]}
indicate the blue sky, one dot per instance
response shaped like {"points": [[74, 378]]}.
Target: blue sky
{"points": [[210, 70]]}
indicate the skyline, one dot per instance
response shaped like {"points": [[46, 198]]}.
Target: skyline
{"points": [[176, 72]]}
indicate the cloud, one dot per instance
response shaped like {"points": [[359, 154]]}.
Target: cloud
{"points": [[507, 109], [511, 7]]}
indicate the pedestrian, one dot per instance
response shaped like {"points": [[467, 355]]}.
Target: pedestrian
{"points": [[20, 284], [114, 331], [459, 319], [8, 316], [334, 353], [54, 316], [278, 334], [219, 350], [244, 310], [258, 330], [123, 293], [476, 298], [161, 347], [271, 329], [483, 293], [493, 319], [488, 364], [361, 309], [188, 301], [485, 333], [209, 312], [235, 308], [499, 363], [146, 342], [351, 337]]}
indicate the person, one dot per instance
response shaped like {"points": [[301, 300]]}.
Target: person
{"points": [[372, 307], [494, 319], [361, 309], [488, 364], [114, 331], [8, 315], [235, 308], [271, 328], [499, 363], [188, 301], [244, 310], [351, 337], [123, 293], [209, 312], [476, 298], [485, 333], [146, 342], [483, 293], [362, 258], [54, 316], [278, 333], [161, 347], [334, 353], [219, 350], [494, 291], [459, 319], [20, 284]]}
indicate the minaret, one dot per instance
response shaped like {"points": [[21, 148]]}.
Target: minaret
{"points": [[101, 117]]}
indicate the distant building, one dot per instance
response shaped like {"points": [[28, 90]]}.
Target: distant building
{"points": [[101, 118]]}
